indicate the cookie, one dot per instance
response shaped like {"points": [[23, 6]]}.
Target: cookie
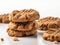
{"points": [[23, 26], [52, 35], [49, 22], [24, 15], [1, 18], [54, 24], [20, 33], [5, 18]]}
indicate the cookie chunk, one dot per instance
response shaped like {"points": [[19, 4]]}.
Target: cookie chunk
{"points": [[52, 35], [20, 33], [24, 15], [5, 18], [49, 22], [23, 26]]}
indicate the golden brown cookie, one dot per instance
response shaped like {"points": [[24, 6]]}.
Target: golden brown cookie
{"points": [[20, 33], [1, 18], [52, 35], [5, 18], [24, 15], [23, 26], [49, 22]]}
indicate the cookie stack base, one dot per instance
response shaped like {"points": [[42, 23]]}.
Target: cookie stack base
{"points": [[20, 33]]}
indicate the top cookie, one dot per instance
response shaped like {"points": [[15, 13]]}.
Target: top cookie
{"points": [[24, 15], [49, 22]]}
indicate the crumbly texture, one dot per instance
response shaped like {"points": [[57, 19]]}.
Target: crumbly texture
{"points": [[2, 39], [14, 39], [24, 15], [24, 26], [52, 35], [49, 22], [20, 33], [5, 18]]}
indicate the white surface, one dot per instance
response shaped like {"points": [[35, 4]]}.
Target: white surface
{"points": [[41, 41], [9, 41]]}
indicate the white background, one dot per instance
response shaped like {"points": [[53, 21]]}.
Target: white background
{"points": [[45, 7]]}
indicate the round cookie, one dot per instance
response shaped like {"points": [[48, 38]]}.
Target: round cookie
{"points": [[24, 26], [24, 15], [49, 22], [20, 33], [5, 18], [52, 35]]}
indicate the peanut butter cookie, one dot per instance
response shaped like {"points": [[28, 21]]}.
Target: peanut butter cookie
{"points": [[52, 35], [49, 22], [23, 26], [20, 33], [5, 18], [24, 15]]}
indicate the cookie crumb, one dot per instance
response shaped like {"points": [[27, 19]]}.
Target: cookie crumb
{"points": [[2, 39], [14, 38], [56, 42]]}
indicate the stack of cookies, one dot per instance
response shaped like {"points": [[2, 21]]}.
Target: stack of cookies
{"points": [[22, 23]]}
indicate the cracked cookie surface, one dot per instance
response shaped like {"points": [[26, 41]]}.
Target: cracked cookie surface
{"points": [[49, 22], [52, 35], [24, 15]]}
